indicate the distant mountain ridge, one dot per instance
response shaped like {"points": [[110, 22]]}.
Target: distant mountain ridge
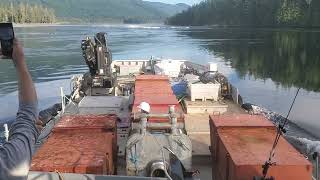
{"points": [[108, 10]]}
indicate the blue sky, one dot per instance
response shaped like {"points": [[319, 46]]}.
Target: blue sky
{"points": [[190, 2]]}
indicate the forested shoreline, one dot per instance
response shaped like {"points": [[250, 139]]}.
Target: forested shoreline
{"points": [[25, 13], [271, 13]]}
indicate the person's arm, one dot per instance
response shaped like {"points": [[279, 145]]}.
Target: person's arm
{"points": [[27, 92], [16, 155]]}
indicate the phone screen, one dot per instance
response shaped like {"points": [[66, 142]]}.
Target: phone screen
{"points": [[6, 38], [6, 31]]}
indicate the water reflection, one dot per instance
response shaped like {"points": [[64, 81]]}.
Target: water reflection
{"points": [[288, 57]]}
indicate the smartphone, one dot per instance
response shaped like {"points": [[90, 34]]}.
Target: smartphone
{"points": [[6, 38]]}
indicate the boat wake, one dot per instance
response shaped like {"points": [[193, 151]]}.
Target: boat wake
{"points": [[305, 142]]}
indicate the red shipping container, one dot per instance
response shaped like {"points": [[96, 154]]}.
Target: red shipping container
{"points": [[85, 152], [241, 145]]}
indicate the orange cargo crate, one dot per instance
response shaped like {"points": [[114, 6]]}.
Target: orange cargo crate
{"points": [[242, 147], [85, 152]]}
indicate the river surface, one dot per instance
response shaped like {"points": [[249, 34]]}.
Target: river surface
{"points": [[267, 65]]}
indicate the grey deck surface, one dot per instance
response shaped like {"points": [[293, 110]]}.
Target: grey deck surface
{"points": [[203, 164], [198, 129], [70, 176]]}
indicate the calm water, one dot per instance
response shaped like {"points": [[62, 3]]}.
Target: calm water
{"points": [[267, 65]]}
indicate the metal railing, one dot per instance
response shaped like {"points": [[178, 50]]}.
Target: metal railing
{"points": [[315, 157]]}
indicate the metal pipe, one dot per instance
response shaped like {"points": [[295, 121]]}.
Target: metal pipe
{"points": [[143, 123], [171, 109], [173, 119], [316, 158], [6, 132], [174, 129], [159, 125], [164, 125], [165, 167], [63, 105], [158, 169], [138, 115]]}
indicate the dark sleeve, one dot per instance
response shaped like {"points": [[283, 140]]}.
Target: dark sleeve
{"points": [[16, 155]]}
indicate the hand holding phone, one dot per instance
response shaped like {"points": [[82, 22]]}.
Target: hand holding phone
{"points": [[6, 38]]}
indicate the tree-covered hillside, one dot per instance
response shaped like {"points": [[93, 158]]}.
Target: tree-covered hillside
{"points": [[25, 13], [251, 13], [106, 10]]}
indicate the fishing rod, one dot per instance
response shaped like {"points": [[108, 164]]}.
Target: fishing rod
{"points": [[280, 130]]}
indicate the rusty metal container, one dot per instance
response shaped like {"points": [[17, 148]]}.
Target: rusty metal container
{"points": [[78, 122], [152, 85], [84, 152], [156, 90], [238, 120], [80, 144], [152, 78], [157, 100], [240, 145]]}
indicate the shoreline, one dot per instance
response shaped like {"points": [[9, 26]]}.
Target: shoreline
{"points": [[37, 24], [77, 24], [154, 24]]}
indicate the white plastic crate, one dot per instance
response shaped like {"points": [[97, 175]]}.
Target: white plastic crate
{"points": [[168, 67], [204, 91], [126, 70]]}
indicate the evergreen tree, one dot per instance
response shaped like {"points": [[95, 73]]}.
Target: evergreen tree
{"points": [[251, 13], [25, 13]]}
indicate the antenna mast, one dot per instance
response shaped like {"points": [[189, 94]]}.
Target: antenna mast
{"points": [[280, 131], [12, 12]]}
